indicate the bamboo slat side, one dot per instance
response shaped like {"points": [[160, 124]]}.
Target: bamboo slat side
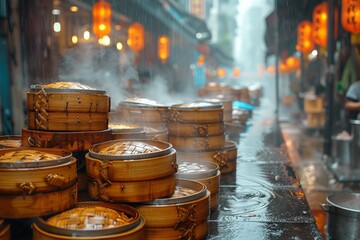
{"points": [[195, 129], [197, 143]]}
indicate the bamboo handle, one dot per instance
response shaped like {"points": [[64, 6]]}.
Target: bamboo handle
{"points": [[27, 187], [55, 180]]}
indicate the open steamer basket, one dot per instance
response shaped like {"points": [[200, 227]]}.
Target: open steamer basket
{"points": [[36, 182], [131, 170], [67, 106], [205, 172], [92, 220], [181, 216], [225, 157]]}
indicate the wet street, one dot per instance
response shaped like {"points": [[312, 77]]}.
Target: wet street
{"points": [[263, 198]]}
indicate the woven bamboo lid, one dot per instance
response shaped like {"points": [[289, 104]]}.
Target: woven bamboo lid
{"points": [[65, 87], [129, 149], [185, 191], [10, 141], [196, 170], [32, 157], [92, 219]]}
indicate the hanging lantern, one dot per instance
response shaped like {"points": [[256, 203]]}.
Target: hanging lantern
{"points": [[201, 60], [236, 72], [136, 37], [319, 33], [163, 48], [292, 63], [304, 39], [101, 18], [350, 15], [221, 72]]}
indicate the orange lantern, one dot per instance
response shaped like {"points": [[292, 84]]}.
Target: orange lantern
{"points": [[221, 72], [350, 15], [163, 48], [136, 37], [319, 33], [292, 63], [236, 72], [101, 18], [304, 41], [271, 69], [283, 68], [201, 60]]}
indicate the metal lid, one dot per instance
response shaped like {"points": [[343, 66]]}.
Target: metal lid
{"points": [[185, 191], [345, 201], [196, 170], [126, 149], [196, 105], [33, 157], [92, 219], [65, 87]]}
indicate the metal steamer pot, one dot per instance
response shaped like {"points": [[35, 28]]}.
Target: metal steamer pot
{"points": [[342, 152], [343, 218], [355, 128]]}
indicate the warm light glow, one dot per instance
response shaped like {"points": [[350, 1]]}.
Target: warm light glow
{"points": [[101, 41], [55, 11], [136, 37], [119, 46], [319, 33], [163, 48], [117, 27], [57, 27], [236, 72], [292, 63], [304, 34], [74, 39], [74, 8], [201, 60], [101, 18], [314, 52], [106, 40], [221, 72], [350, 15], [86, 35], [271, 69]]}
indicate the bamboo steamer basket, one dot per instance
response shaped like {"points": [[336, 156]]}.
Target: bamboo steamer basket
{"points": [[66, 106], [225, 157], [63, 121], [205, 172], [35, 170], [4, 230], [178, 216], [197, 143], [92, 220], [67, 97], [160, 134], [213, 89], [195, 129], [225, 102], [71, 141], [200, 112], [131, 170], [143, 111], [39, 204], [126, 131], [10, 141], [131, 191], [240, 93]]}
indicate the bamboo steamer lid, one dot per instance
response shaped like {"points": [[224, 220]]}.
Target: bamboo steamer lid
{"points": [[92, 220], [129, 149], [4, 230], [198, 112], [225, 102], [205, 172], [10, 141], [183, 215], [126, 131]]}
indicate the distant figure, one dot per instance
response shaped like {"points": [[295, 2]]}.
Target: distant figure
{"points": [[352, 102]]}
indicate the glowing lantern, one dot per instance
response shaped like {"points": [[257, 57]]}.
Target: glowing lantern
{"points": [[304, 41], [101, 18], [320, 24], [221, 72], [271, 69], [350, 15], [292, 63], [201, 60], [136, 37], [236, 72], [163, 48], [283, 68]]}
